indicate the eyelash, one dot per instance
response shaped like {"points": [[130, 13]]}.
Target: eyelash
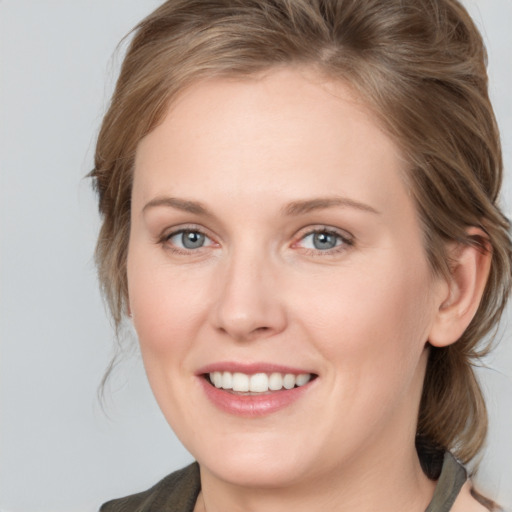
{"points": [[345, 241], [166, 237]]}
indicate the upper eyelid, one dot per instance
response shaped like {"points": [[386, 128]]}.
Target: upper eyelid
{"points": [[169, 232], [342, 233], [172, 234]]}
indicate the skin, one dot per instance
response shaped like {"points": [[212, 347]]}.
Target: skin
{"points": [[358, 315]]}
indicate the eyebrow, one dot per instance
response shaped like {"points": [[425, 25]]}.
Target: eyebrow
{"points": [[179, 204], [294, 208], [306, 206]]}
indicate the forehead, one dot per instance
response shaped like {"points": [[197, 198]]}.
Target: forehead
{"points": [[302, 131]]}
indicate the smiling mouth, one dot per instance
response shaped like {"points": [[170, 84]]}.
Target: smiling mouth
{"points": [[257, 383]]}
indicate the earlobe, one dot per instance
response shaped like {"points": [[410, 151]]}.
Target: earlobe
{"points": [[465, 287]]}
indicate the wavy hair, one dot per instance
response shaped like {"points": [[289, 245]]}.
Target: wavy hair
{"points": [[420, 65]]}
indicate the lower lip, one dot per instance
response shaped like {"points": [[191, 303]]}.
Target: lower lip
{"points": [[253, 405]]}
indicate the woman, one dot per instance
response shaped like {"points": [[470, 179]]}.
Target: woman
{"points": [[299, 204]]}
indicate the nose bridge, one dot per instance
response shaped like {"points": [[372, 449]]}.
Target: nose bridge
{"points": [[248, 303]]}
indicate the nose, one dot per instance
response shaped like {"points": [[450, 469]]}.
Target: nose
{"points": [[249, 304]]}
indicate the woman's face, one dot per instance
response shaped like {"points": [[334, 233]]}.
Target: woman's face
{"points": [[273, 244]]}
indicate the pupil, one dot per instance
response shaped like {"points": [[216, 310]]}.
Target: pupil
{"points": [[324, 241], [192, 239]]}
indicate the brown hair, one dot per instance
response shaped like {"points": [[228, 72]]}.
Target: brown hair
{"points": [[419, 64]]}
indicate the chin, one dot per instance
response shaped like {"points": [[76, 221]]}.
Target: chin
{"points": [[268, 458], [260, 470]]}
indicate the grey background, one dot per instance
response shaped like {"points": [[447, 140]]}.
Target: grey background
{"points": [[59, 452]]}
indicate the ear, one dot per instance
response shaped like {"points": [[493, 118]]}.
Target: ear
{"points": [[463, 292]]}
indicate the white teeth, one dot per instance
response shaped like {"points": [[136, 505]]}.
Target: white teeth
{"points": [[289, 381], [217, 379], [240, 382], [258, 382], [275, 382], [227, 380], [302, 379]]}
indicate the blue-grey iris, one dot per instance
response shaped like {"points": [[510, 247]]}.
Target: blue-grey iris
{"points": [[323, 241], [192, 239]]}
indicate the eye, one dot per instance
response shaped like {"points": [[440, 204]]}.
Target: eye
{"points": [[321, 241], [188, 239], [324, 240]]}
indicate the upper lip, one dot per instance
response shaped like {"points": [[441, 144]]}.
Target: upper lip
{"points": [[250, 368]]}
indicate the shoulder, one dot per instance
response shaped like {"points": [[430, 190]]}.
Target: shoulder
{"points": [[454, 491], [176, 492], [466, 502]]}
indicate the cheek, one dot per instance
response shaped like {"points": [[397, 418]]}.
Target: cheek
{"points": [[165, 305], [371, 317], [372, 331]]}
